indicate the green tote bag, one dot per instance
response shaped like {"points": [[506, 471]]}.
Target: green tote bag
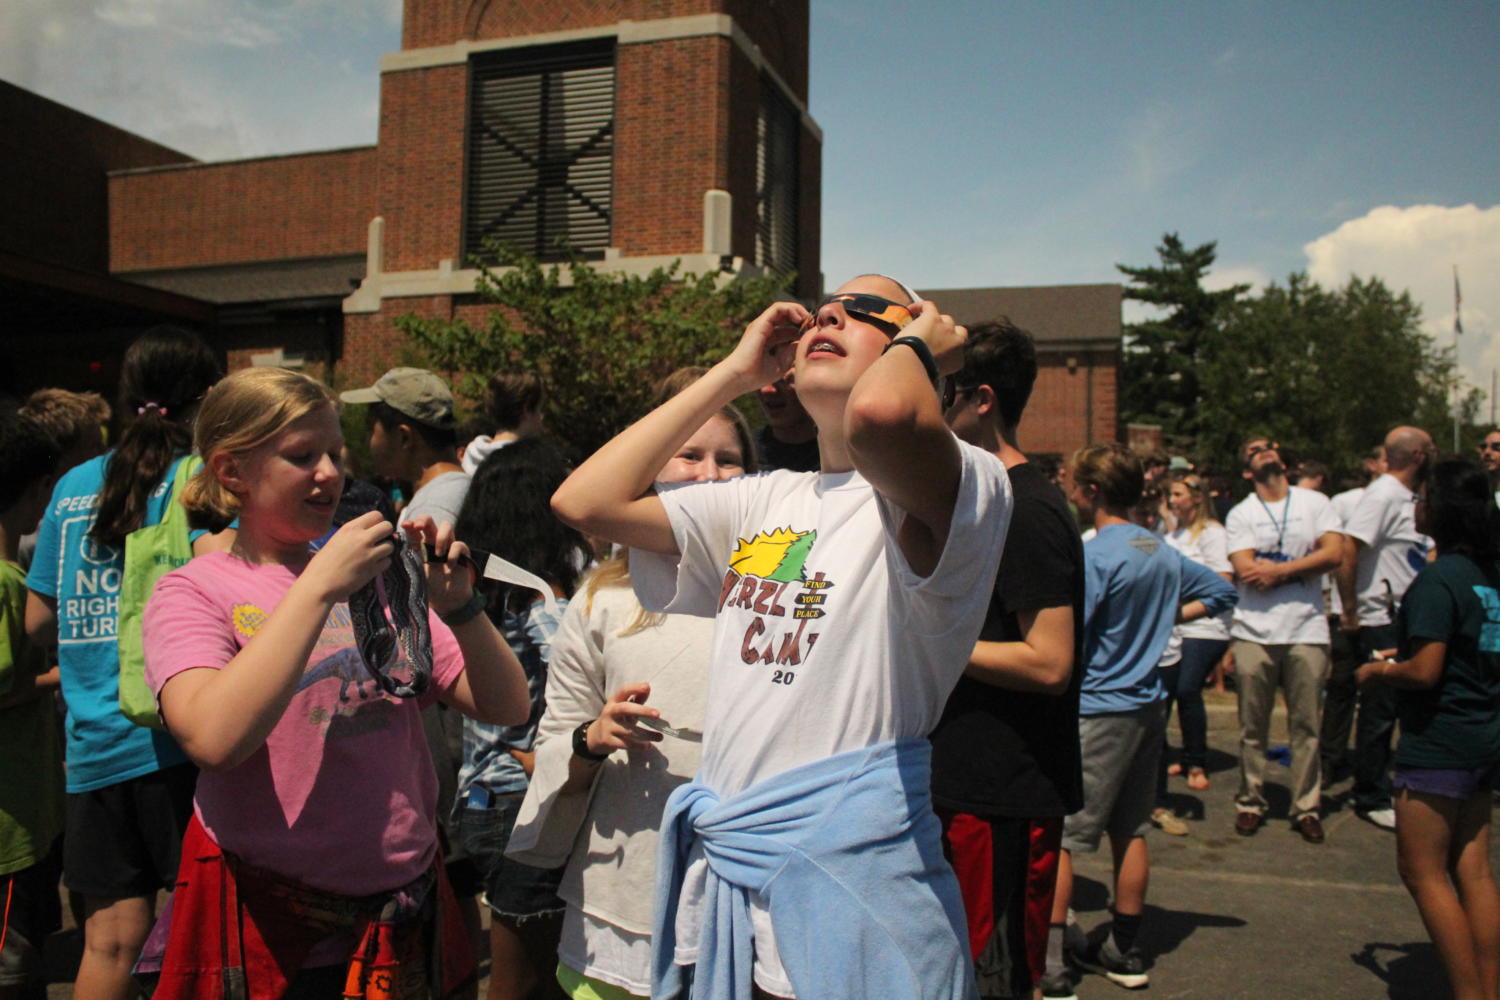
{"points": [[150, 553]]}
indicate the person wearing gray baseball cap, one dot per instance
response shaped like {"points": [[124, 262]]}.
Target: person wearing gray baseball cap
{"points": [[413, 392], [412, 439]]}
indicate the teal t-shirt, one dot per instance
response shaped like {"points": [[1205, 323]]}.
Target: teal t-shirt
{"points": [[1455, 724], [103, 747]]}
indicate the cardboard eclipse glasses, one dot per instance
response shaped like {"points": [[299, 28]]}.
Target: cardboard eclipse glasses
{"points": [[886, 316]]}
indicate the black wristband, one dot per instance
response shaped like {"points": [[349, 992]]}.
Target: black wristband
{"points": [[923, 353], [581, 743], [464, 612]]}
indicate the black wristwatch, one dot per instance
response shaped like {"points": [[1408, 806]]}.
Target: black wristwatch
{"points": [[923, 352], [581, 743]]}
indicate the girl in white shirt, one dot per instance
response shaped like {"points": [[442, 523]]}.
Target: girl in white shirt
{"points": [[1203, 540]]}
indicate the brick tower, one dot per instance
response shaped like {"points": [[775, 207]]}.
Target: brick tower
{"points": [[635, 131]]}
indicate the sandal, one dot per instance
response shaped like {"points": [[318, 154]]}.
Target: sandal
{"points": [[1197, 779]]}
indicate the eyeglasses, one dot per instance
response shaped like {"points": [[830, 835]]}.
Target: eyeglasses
{"points": [[885, 315], [1256, 449], [1489, 446]]}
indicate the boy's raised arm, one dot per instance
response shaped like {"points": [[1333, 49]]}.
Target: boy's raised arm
{"points": [[899, 441], [611, 494]]}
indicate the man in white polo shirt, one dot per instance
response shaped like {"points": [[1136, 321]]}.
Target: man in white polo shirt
{"points": [[1386, 553], [1282, 539]]}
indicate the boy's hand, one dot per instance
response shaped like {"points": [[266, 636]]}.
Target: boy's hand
{"points": [[941, 334], [765, 351], [355, 554]]}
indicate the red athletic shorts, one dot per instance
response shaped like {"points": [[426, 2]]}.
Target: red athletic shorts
{"points": [[1007, 873]]}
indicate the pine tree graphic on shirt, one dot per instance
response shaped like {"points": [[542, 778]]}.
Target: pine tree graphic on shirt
{"points": [[778, 555]]}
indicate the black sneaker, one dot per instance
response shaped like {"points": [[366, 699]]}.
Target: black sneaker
{"points": [[1127, 970], [1058, 986]]}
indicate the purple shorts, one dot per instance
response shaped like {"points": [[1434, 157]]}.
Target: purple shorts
{"points": [[1448, 782]]}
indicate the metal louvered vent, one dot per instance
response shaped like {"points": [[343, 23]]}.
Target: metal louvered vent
{"points": [[541, 149], [776, 167]]}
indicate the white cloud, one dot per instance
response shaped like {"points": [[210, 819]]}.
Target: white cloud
{"points": [[1222, 277], [214, 78], [1416, 248]]}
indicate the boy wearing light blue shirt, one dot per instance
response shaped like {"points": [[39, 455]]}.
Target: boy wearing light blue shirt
{"points": [[1136, 588]]}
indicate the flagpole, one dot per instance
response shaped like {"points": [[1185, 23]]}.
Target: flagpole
{"points": [[1458, 328]]}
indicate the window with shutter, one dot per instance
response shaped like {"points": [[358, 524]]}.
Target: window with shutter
{"points": [[776, 166], [541, 149]]}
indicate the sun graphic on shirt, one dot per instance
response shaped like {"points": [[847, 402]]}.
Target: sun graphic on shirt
{"points": [[773, 555], [247, 619]]}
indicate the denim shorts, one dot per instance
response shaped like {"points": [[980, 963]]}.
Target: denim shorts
{"points": [[1448, 782], [511, 889]]}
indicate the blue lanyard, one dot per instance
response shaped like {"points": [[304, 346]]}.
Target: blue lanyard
{"points": [[1286, 512]]}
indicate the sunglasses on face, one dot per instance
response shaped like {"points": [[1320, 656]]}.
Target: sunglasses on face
{"points": [[1490, 446], [886, 316], [1256, 449]]}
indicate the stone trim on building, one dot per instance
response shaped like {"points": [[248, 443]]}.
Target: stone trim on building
{"points": [[624, 33]]}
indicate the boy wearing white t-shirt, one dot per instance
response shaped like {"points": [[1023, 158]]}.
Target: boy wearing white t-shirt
{"points": [[1282, 539], [846, 604]]}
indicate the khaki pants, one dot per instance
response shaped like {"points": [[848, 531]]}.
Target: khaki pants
{"points": [[1300, 670]]}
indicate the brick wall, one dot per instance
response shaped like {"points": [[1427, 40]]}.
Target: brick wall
{"points": [[670, 139], [1056, 418], [53, 195], [373, 344], [780, 28], [277, 208], [422, 124]]}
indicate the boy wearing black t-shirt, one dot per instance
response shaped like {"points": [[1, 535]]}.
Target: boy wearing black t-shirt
{"points": [[1005, 768]]}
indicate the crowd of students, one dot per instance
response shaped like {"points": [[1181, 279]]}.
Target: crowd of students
{"points": [[688, 725]]}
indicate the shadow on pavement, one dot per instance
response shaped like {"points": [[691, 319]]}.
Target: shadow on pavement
{"points": [[1409, 971], [1162, 930]]}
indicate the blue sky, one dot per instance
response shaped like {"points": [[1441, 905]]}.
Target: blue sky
{"points": [[966, 143]]}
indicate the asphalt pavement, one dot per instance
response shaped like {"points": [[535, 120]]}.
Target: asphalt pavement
{"points": [[1268, 917]]}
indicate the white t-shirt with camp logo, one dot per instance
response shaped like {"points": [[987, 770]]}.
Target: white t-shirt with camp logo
{"points": [[825, 640]]}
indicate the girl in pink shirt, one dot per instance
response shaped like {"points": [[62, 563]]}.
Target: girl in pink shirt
{"points": [[317, 791]]}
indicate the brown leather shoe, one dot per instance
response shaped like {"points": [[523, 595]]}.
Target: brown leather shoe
{"points": [[1247, 822], [1310, 828]]}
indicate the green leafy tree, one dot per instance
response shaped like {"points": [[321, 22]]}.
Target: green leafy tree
{"points": [[1327, 372], [599, 341], [1160, 379]]}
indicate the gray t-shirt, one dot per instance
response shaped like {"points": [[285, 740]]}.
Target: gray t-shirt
{"points": [[439, 499]]}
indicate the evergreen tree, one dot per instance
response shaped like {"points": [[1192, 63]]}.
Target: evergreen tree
{"points": [[1160, 378]]}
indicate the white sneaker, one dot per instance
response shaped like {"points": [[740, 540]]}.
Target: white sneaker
{"points": [[1383, 818]]}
